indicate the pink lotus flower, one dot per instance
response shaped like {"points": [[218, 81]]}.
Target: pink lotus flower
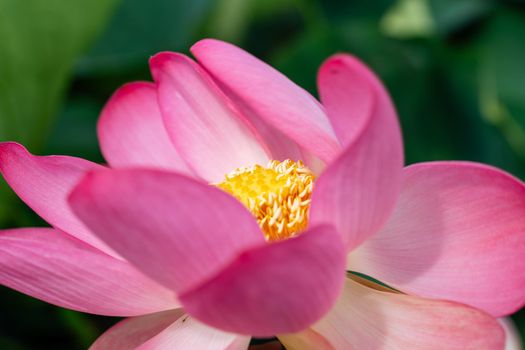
{"points": [[165, 234]]}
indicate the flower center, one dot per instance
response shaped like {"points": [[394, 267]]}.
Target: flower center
{"points": [[278, 195]]}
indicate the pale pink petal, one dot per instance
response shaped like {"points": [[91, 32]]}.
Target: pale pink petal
{"points": [[50, 265], [173, 228], [279, 145], [358, 191], [278, 288], [135, 331], [309, 339], [187, 333], [43, 183], [131, 130], [512, 336], [367, 318], [457, 233], [209, 133], [270, 95]]}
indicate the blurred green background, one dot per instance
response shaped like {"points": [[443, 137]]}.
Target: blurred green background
{"points": [[455, 69]]}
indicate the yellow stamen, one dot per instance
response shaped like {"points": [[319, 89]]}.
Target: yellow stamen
{"points": [[278, 195]]}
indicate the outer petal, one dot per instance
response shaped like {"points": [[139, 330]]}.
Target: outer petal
{"points": [[131, 130], [187, 333], [358, 191], [43, 183], [55, 267], [210, 134], [175, 229], [458, 233], [133, 332], [274, 98], [278, 288], [366, 318]]}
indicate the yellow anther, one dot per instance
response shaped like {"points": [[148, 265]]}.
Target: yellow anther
{"points": [[278, 195]]}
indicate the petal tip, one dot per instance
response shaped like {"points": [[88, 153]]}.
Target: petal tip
{"points": [[205, 43], [8, 146], [159, 62], [122, 92], [9, 149], [343, 58]]}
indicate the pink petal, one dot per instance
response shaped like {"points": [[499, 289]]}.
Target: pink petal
{"points": [[274, 98], [366, 318], [50, 265], [279, 145], [131, 130], [133, 332], [175, 229], [187, 333], [458, 233], [278, 288], [43, 183], [351, 94], [358, 191], [210, 134], [512, 336]]}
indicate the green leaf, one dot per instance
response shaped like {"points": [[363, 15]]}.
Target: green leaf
{"points": [[230, 19], [490, 132], [408, 19], [80, 325], [41, 41], [451, 15], [75, 130], [301, 60], [140, 29], [502, 77], [344, 9]]}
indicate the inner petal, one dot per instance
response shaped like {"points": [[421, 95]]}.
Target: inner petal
{"points": [[278, 195]]}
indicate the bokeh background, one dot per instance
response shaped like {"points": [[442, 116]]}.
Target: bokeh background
{"points": [[455, 69]]}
